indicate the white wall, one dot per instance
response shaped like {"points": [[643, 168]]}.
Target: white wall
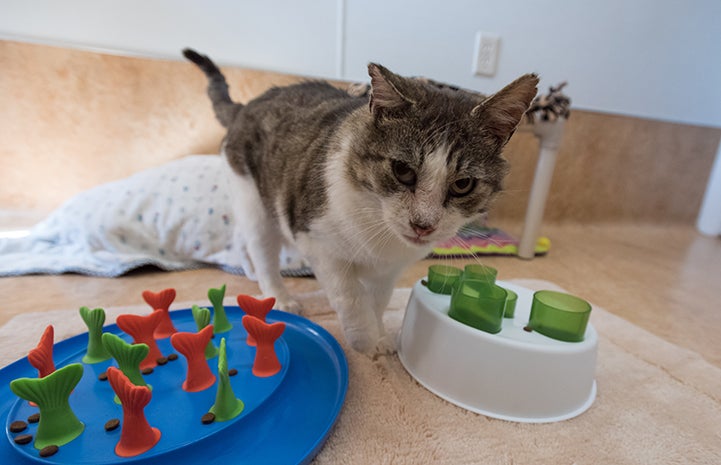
{"points": [[281, 35], [650, 58]]}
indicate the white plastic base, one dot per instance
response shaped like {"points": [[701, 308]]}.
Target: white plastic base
{"points": [[513, 375]]}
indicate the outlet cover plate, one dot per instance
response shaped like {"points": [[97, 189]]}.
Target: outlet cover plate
{"points": [[485, 56]]}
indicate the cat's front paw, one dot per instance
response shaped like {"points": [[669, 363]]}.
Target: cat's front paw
{"points": [[360, 341], [386, 345], [289, 305], [363, 342]]}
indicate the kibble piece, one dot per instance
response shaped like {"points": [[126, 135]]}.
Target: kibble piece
{"points": [[47, 451], [172, 357], [18, 426], [112, 424], [23, 439], [34, 418], [528, 329], [162, 360], [103, 376], [207, 418], [232, 372], [146, 371]]}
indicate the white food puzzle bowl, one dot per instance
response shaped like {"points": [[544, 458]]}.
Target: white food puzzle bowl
{"points": [[513, 375]]}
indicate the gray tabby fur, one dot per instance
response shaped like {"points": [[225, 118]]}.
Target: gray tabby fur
{"points": [[362, 186]]}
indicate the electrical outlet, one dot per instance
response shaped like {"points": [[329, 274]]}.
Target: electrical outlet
{"points": [[485, 58]]}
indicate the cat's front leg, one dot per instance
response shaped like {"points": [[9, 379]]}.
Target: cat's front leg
{"points": [[355, 304], [358, 320], [380, 287]]}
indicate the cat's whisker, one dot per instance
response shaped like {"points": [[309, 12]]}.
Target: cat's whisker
{"points": [[470, 231], [475, 257], [378, 234], [465, 245], [375, 226]]}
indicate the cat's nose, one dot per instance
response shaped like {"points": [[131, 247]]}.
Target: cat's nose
{"points": [[422, 230]]}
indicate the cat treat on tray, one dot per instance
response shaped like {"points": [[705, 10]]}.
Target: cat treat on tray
{"points": [[362, 185]]}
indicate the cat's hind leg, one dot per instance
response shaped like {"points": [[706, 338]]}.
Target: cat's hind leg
{"points": [[263, 239], [241, 249]]}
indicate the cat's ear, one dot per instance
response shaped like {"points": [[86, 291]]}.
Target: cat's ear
{"points": [[501, 113], [388, 93]]}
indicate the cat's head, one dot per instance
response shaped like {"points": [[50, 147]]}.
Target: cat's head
{"points": [[432, 155]]}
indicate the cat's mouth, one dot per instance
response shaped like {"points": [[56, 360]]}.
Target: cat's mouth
{"points": [[416, 240]]}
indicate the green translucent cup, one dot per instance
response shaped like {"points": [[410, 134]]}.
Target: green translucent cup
{"points": [[479, 305], [441, 278], [511, 300], [481, 273], [560, 316]]}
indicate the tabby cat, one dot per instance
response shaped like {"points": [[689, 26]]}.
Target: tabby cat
{"points": [[362, 186]]}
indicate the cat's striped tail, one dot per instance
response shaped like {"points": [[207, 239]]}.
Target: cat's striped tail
{"points": [[225, 109]]}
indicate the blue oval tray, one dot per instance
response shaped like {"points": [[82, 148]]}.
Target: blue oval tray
{"points": [[286, 420]]}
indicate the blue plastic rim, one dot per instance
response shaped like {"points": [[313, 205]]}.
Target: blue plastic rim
{"points": [[310, 389]]}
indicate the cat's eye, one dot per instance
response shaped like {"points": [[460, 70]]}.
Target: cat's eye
{"points": [[463, 186], [404, 173]]}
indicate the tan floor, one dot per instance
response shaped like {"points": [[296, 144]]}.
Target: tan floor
{"points": [[664, 279]]}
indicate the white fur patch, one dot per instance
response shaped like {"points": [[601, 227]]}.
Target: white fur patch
{"points": [[432, 187], [354, 227]]}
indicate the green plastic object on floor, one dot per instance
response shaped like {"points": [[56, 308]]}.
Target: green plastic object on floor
{"points": [[559, 315], [221, 324], [128, 357], [58, 424], [479, 305], [511, 300], [202, 319], [442, 278], [226, 406], [94, 320], [480, 272]]}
